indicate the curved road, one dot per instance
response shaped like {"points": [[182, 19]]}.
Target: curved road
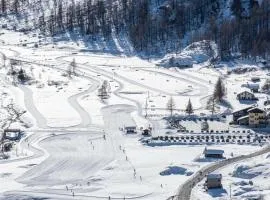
{"points": [[73, 100], [184, 192], [30, 107], [84, 115]]}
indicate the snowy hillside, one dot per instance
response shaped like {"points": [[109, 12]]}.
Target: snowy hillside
{"points": [[248, 180], [196, 53], [128, 99], [78, 106], [151, 28]]}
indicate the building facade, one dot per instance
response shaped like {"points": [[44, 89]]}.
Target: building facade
{"points": [[257, 118], [240, 113], [246, 96]]}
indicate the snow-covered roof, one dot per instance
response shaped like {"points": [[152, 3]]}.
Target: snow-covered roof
{"points": [[256, 110], [214, 176], [227, 112], [213, 151], [255, 78], [244, 117], [253, 86], [245, 91], [130, 127], [267, 106], [247, 108]]}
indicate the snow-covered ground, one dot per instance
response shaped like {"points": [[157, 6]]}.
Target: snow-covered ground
{"points": [[245, 180], [75, 144]]}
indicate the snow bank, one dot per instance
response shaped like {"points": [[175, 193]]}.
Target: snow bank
{"points": [[175, 170], [246, 171]]}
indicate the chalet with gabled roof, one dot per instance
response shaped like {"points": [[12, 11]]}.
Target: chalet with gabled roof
{"points": [[246, 96]]}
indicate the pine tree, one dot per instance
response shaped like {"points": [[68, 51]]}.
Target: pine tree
{"points": [[21, 75], [189, 108], [171, 105], [219, 90]]}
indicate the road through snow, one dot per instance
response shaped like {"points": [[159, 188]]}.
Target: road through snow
{"points": [[84, 115], [184, 191], [31, 107]]}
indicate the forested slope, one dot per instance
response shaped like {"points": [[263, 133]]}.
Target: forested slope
{"points": [[151, 26]]}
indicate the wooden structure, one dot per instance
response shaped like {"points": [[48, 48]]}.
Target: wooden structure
{"points": [[213, 153], [240, 113], [257, 117], [12, 134], [246, 96], [213, 181], [130, 129]]}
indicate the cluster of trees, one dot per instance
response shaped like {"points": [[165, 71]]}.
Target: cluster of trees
{"points": [[171, 107], [18, 75], [104, 91], [247, 32], [71, 69]]}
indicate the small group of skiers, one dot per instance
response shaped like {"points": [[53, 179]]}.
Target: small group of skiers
{"points": [[72, 192]]}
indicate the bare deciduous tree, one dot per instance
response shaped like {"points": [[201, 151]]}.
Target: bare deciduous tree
{"points": [[13, 115], [171, 105], [212, 105]]}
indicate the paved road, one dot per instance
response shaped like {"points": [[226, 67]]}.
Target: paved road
{"points": [[184, 191]]}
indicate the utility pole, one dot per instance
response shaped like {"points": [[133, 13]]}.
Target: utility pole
{"points": [[146, 108], [230, 191]]}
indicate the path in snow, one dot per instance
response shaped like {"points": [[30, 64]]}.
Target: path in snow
{"points": [[84, 115], [71, 160], [30, 106]]}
